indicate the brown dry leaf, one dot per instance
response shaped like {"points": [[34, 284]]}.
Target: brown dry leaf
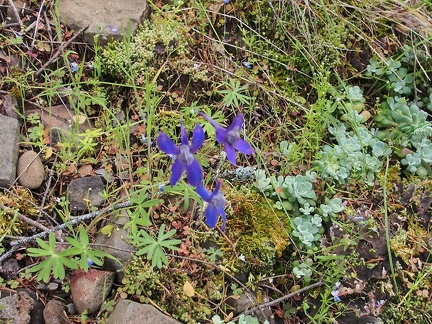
{"points": [[4, 57], [59, 116], [70, 170], [188, 289], [48, 152], [228, 318], [85, 170], [214, 8]]}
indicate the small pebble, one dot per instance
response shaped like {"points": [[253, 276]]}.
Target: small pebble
{"points": [[31, 171]]}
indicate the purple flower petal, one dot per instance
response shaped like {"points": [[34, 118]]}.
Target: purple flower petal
{"points": [[211, 216], [231, 154], [194, 173], [197, 139], [221, 135], [213, 122], [184, 135], [177, 171], [167, 145], [217, 187], [243, 146], [237, 122], [204, 193]]}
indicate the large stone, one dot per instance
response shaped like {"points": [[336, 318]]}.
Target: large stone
{"points": [[116, 244], [54, 313], [85, 192], [104, 17], [31, 172], [9, 134], [90, 289], [127, 311], [16, 308]]}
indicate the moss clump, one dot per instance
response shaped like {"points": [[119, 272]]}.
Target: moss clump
{"points": [[159, 45], [23, 202], [257, 230]]}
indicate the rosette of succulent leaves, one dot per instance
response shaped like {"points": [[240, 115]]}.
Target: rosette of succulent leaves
{"points": [[295, 195]]}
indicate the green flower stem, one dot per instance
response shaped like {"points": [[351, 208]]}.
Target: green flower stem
{"points": [[387, 227]]}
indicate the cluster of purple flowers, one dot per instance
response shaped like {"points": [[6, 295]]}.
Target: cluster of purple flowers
{"points": [[184, 160]]}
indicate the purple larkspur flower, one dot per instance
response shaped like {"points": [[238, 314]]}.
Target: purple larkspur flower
{"points": [[113, 28], [230, 138], [247, 64], [74, 67], [216, 205], [184, 159], [336, 291]]}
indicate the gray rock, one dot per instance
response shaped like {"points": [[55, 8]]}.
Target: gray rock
{"points": [[54, 313], [9, 269], [104, 17], [85, 192], [248, 301], [36, 313], [31, 172], [90, 289], [9, 134], [16, 308], [127, 311], [116, 244]]}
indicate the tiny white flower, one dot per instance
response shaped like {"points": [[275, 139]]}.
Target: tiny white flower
{"points": [[242, 257]]}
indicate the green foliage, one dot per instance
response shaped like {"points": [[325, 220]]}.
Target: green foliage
{"points": [[155, 248], [402, 121], [139, 212], [54, 261], [307, 229], [57, 262], [80, 246], [79, 146], [356, 155], [140, 279], [146, 51], [243, 319], [303, 270], [290, 192], [213, 253], [234, 95], [296, 195]]}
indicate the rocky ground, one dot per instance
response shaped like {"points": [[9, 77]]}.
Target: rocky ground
{"points": [[21, 165], [105, 291]]}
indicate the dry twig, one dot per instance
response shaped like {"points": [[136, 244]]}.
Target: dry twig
{"points": [[16, 244], [17, 16], [60, 50]]}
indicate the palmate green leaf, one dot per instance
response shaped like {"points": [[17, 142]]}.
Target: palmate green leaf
{"points": [[155, 248], [54, 262]]}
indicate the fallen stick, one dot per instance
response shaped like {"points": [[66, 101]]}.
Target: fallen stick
{"points": [[17, 16], [278, 300], [16, 244]]}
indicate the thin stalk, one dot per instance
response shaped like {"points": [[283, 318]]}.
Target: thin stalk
{"points": [[387, 227]]}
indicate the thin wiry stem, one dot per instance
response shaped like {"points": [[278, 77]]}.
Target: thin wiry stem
{"points": [[387, 226]]}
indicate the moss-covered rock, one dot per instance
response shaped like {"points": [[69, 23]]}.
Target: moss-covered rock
{"points": [[258, 232]]}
